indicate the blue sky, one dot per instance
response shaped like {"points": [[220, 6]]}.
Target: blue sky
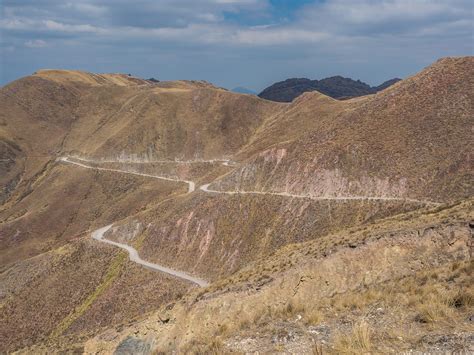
{"points": [[250, 43]]}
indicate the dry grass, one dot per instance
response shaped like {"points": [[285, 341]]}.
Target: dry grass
{"points": [[359, 341], [213, 346], [317, 349], [442, 305], [435, 308], [313, 316], [359, 300], [430, 300], [112, 273]]}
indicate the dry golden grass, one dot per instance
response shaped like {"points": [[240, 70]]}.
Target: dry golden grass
{"points": [[441, 305], [212, 346], [359, 341], [421, 302], [317, 349], [313, 316]]}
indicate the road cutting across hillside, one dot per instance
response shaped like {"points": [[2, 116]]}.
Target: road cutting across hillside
{"points": [[191, 184], [205, 188], [134, 256]]}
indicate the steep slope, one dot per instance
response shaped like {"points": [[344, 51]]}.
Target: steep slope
{"points": [[77, 289], [35, 117], [55, 112], [50, 209], [404, 283], [340, 163], [336, 87]]}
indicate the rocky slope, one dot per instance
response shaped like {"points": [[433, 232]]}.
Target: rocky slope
{"points": [[403, 283], [336, 87]]}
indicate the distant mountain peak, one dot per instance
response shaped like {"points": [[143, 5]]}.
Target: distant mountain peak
{"points": [[337, 87]]}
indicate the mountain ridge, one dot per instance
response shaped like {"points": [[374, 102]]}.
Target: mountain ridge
{"points": [[337, 87]]}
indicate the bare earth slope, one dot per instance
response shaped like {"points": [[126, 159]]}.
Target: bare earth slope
{"points": [[281, 192], [109, 116]]}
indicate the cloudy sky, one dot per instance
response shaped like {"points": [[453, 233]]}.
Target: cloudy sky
{"points": [[249, 43]]}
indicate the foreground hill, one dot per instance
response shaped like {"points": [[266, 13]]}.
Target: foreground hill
{"points": [[336, 87], [276, 205], [401, 284]]}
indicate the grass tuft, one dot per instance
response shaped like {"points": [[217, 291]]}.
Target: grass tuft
{"points": [[357, 342]]}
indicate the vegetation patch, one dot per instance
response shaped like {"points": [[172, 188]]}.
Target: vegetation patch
{"points": [[112, 273]]}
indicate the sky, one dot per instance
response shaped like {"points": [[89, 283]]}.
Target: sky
{"points": [[249, 43]]}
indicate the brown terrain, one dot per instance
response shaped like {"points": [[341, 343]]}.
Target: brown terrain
{"points": [[322, 226]]}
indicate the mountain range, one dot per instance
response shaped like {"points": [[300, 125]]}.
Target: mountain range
{"points": [[179, 217], [336, 87]]}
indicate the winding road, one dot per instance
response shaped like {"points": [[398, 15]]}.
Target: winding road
{"points": [[133, 253], [191, 184], [205, 188]]}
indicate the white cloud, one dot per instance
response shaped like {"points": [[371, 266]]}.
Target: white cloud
{"points": [[87, 9], [36, 43], [277, 36], [205, 23], [384, 16], [62, 27], [209, 17], [17, 24]]}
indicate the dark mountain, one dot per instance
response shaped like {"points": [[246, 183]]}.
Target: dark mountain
{"points": [[336, 87], [386, 84]]}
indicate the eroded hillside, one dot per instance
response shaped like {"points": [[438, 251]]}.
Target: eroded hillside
{"points": [[409, 140]]}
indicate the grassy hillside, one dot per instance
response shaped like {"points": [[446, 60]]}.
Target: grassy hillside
{"points": [[289, 272]]}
